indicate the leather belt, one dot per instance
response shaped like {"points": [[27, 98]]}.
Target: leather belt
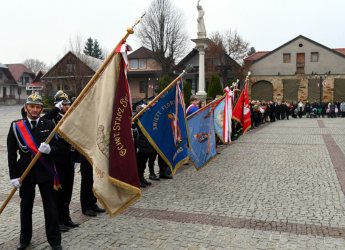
{"points": [[67, 147]]}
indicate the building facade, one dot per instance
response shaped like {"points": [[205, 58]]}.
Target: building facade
{"points": [[299, 69]]}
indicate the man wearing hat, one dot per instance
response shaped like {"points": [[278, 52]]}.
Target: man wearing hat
{"points": [[65, 162], [27, 137]]}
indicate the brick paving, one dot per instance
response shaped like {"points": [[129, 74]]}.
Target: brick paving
{"points": [[282, 187]]}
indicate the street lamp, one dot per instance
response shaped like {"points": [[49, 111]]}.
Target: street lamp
{"points": [[320, 85]]}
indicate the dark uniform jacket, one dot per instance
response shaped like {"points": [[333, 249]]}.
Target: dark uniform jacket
{"points": [[307, 107], [143, 144], [67, 154], [15, 143]]}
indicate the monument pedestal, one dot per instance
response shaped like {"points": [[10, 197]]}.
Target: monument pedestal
{"points": [[202, 47]]}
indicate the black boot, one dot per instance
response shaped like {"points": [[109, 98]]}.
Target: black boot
{"points": [[154, 177]]}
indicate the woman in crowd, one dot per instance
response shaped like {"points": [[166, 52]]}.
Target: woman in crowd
{"points": [[201, 104]]}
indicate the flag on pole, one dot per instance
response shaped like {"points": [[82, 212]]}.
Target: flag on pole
{"points": [[242, 110], [324, 83], [165, 127], [100, 128], [202, 137]]}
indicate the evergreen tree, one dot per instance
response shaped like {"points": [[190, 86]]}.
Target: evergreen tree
{"points": [[187, 92], [97, 51], [251, 51], [164, 82], [215, 87], [88, 49], [231, 81]]}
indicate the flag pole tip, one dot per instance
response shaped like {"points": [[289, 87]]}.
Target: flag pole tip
{"points": [[130, 30]]}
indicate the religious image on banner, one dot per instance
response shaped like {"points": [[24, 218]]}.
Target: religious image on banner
{"points": [[202, 137], [166, 129], [218, 119]]}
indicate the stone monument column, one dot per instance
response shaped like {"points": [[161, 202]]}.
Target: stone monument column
{"points": [[202, 46]]}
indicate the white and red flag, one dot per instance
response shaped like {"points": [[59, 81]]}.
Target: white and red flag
{"points": [[242, 110], [227, 115]]}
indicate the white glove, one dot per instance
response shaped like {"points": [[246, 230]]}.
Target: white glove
{"points": [[76, 165], [59, 105], [15, 182], [44, 148]]}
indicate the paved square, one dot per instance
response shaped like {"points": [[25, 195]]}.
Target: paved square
{"points": [[282, 187]]}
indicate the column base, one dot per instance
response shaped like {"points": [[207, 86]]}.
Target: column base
{"points": [[201, 93]]}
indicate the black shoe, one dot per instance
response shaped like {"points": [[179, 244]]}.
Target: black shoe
{"points": [[58, 247], [218, 153], [90, 213], [98, 210], [165, 176], [22, 245], [71, 224], [142, 184], [146, 182], [63, 228], [153, 177], [186, 163]]}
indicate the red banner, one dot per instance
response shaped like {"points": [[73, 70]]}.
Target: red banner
{"points": [[241, 111], [122, 158]]}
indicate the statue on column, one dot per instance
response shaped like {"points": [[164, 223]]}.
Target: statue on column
{"points": [[201, 23]]}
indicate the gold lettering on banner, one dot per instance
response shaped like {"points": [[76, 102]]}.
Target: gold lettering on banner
{"points": [[179, 150], [155, 120], [99, 172], [117, 126]]}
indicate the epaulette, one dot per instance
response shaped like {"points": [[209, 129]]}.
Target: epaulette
{"points": [[46, 120]]}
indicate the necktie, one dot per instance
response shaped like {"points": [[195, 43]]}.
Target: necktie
{"points": [[33, 123]]}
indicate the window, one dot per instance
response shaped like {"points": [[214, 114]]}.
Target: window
{"points": [[156, 86], [20, 79], [143, 87], [287, 57], [26, 79], [70, 67], [314, 57], [192, 83], [142, 64], [134, 63]]}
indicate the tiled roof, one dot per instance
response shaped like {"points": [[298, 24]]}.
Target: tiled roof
{"points": [[256, 55], [141, 53], [340, 50], [18, 69], [36, 84]]}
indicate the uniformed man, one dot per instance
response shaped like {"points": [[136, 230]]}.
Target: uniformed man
{"points": [[24, 137], [65, 162]]}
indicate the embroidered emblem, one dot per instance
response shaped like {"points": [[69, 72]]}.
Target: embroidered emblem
{"points": [[103, 141]]}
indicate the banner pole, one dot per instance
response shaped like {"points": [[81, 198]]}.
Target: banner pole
{"points": [[187, 69], [75, 103]]}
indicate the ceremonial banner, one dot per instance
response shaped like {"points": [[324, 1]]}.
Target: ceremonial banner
{"points": [[202, 137], [100, 128], [242, 110], [218, 119], [167, 132]]}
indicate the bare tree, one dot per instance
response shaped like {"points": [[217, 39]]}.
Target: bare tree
{"points": [[35, 65], [227, 53], [163, 30]]}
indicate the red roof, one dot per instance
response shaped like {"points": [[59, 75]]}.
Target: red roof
{"points": [[36, 84], [38, 76], [18, 69], [256, 55], [340, 50]]}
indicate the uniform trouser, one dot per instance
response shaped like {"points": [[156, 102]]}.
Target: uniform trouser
{"points": [[64, 195], [48, 194], [307, 114], [141, 163], [163, 166], [87, 198], [152, 158], [282, 115], [300, 113]]}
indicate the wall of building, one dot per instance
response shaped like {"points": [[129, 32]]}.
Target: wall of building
{"points": [[273, 63], [278, 90]]}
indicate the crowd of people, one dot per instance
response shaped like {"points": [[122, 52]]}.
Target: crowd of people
{"points": [[55, 168], [262, 111]]}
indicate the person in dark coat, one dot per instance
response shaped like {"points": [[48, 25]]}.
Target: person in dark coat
{"points": [[282, 110], [272, 108], [88, 200], [40, 129], [277, 109], [65, 161], [337, 103], [323, 108], [288, 110], [307, 109]]}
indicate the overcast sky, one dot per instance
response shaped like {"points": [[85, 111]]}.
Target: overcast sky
{"points": [[41, 29]]}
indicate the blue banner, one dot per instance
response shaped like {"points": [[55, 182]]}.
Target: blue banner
{"points": [[218, 119], [158, 125], [202, 138]]}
